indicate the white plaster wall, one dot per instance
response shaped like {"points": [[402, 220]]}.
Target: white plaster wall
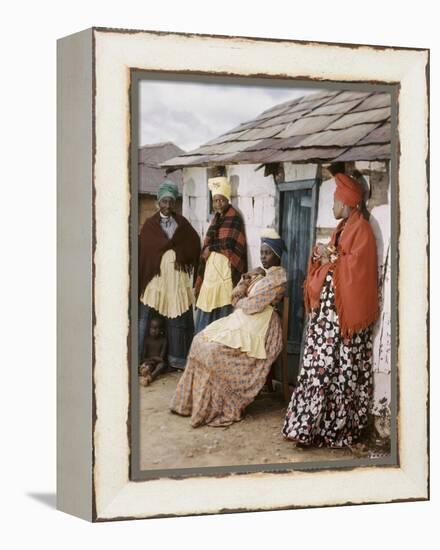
{"points": [[381, 224], [296, 172], [325, 216], [195, 198], [254, 195]]}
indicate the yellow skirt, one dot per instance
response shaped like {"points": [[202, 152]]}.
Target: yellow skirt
{"points": [[216, 288], [169, 293]]}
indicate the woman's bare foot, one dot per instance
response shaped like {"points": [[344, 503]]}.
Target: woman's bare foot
{"points": [[145, 380], [144, 370]]}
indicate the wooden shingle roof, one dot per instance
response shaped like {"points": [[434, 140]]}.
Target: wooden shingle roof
{"points": [[151, 174], [324, 127]]}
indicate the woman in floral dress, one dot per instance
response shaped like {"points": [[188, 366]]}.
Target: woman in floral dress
{"points": [[330, 404], [229, 360]]}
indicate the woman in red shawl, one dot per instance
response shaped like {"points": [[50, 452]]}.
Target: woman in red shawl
{"points": [[329, 406]]}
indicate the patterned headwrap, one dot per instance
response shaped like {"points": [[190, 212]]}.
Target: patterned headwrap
{"points": [[167, 189], [273, 241], [220, 186]]}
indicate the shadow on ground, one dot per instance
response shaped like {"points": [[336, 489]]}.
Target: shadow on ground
{"points": [[48, 499]]}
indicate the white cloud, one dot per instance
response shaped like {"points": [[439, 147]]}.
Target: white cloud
{"points": [[190, 114]]}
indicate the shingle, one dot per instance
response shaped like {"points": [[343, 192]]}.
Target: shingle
{"points": [[325, 94], [227, 137], [263, 133], [267, 116], [319, 154], [301, 108], [268, 143], [280, 119], [313, 104], [241, 127], [184, 160], [251, 157], [307, 125], [375, 115], [279, 107], [375, 101], [208, 149], [348, 96], [367, 152], [287, 143], [224, 147], [336, 108], [234, 146], [379, 135], [339, 138]]}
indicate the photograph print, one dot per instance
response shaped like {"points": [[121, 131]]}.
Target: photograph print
{"points": [[263, 275]]}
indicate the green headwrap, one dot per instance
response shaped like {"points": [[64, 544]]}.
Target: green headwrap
{"points": [[167, 189]]}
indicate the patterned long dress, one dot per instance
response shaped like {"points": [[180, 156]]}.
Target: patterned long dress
{"points": [[219, 382], [330, 404]]}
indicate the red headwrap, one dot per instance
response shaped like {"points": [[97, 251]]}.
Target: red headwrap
{"points": [[348, 190], [354, 277]]}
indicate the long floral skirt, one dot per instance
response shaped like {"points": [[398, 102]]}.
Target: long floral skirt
{"points": [[220, 382], [330, 404]]}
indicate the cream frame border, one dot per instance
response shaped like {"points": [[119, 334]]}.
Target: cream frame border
{"points": [[115, 53]]}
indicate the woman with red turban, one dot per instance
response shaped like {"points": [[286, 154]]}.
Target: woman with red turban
{"points": [[329, 406]]}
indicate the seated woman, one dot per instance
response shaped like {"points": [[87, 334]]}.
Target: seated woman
{"points": [[229, 360]]}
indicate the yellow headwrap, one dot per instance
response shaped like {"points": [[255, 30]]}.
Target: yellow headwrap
{"points": [[220, 186]]}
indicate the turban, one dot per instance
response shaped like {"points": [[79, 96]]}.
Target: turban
{"points": [[348, 190], [167, 189], [220, 186], [273, 241]]}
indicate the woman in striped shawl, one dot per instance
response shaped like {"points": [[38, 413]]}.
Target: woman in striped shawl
{"points": [[223, 259]]}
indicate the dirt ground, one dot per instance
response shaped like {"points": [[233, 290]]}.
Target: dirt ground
{"points": [[169, 441]]}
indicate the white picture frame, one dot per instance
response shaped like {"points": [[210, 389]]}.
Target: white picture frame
{"points": [[94, 442]]}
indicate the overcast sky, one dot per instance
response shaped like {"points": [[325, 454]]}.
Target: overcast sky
{"points": [[190, 114]]}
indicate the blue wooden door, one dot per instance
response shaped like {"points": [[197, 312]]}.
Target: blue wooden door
{"points": [[297, 225]]}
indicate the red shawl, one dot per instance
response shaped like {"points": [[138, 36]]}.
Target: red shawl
{"points": [[153, 243], [354, 276], [226, 236]]}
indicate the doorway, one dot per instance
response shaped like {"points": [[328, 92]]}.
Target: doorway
{"points": [[298, 209]]}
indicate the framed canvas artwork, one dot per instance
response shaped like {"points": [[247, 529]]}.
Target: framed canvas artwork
{"points": [[243, 274]]}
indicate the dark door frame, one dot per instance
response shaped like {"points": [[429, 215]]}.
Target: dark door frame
{"points": [[298, 185]]}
